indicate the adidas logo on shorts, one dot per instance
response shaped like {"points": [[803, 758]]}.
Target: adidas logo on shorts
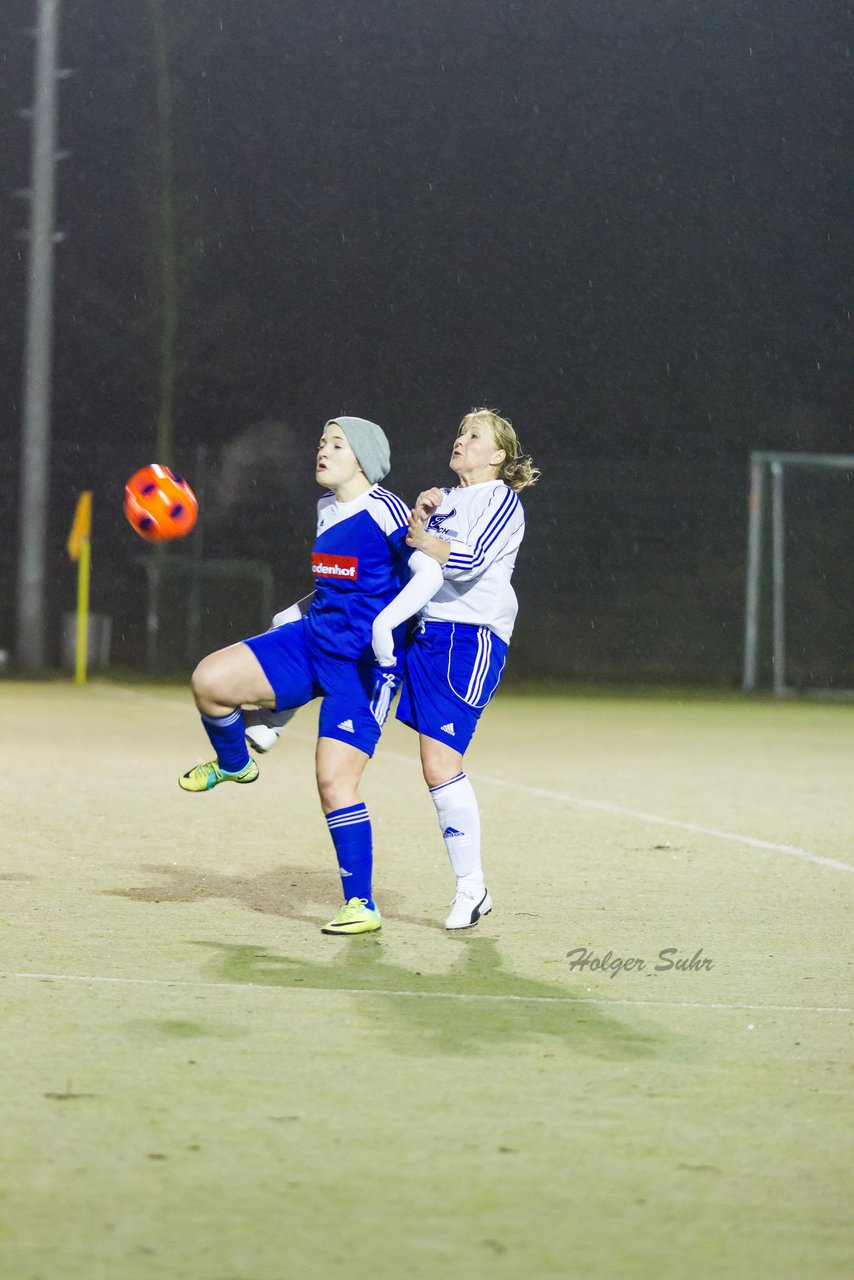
{"points": [[347, 726], [448, 728]]}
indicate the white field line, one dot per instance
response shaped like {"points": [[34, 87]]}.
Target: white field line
{"points": [[103, 980], [734, 837]]}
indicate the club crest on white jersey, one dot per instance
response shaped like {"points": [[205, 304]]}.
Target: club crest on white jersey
{"points": [[437, 524], [488, 527]]}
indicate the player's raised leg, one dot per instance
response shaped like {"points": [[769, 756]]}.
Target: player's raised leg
{"points": [[221, 683], [263, 726]]}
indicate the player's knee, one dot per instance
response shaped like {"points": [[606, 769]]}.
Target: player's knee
{"points": [[434, 766], [335, 792], [432, 775], [204, 681], [337, 778]]}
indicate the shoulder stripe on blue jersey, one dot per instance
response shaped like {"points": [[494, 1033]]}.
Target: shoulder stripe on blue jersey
{"points": [[498, 522], [395, 505], [398, 519], [393, 499]]}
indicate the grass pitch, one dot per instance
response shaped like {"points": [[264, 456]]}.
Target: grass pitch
{"points": [[197, 1085]]}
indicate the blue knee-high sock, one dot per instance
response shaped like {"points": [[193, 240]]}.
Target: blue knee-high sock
{"points": [[228, 739], [350, 829]]}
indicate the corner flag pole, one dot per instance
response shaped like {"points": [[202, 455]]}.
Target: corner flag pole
{"points": [[79, 549]]}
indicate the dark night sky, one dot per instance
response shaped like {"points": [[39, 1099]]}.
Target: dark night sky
{"points": [[622, 225]]}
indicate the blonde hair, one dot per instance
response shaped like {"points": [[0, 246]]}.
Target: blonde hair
{"points": [[517, 470]]}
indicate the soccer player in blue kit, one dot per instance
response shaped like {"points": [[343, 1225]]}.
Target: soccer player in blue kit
{"points": [[361, 562], [455, 661]]}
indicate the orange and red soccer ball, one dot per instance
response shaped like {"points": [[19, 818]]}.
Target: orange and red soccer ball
{"points": [[159, 504]]}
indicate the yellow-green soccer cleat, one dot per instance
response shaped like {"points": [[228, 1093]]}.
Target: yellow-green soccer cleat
{"points": [[205, 776], [355, 917]]}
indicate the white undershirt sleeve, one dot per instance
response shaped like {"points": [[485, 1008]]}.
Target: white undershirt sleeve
{"points": [[425, 581], [294, 612]]}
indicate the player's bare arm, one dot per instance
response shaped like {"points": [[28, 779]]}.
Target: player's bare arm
{"points": [[417, 536]]}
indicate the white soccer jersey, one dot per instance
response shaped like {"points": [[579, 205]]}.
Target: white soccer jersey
{"points": [[485, 524]]}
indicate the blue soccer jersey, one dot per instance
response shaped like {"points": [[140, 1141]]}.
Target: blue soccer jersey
{"points": [[360, 562]]}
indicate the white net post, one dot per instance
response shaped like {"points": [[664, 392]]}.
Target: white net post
{"points": [[767, 527], [754, 573], [778, 577]]}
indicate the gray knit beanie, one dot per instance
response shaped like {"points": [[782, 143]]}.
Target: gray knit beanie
{"points": [[369, 443]]}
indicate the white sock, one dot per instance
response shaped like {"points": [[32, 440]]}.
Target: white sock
{"points": [[459, 823]]}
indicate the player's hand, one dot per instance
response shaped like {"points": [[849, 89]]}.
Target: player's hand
{"points": [[427, 502], [383, 644], [415, 533]]}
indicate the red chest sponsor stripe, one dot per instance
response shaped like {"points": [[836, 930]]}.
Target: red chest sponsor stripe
{"points": [[346, 567]]}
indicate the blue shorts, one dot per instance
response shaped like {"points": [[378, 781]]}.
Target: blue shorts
{"points": [[356, 693], [452, 671]]}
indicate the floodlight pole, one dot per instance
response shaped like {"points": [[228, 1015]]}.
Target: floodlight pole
{"points": [[35, 448]]}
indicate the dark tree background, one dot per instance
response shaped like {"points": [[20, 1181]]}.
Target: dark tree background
{"points": [[622, 225]]}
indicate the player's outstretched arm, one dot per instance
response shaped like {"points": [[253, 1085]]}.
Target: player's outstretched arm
{"points": [[425, 581]]}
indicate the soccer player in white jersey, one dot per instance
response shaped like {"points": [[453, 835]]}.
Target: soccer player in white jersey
{"points": [[455, 661], [360, 561]]}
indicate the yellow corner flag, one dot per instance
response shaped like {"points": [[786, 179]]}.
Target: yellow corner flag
{"points": [[79, 550], [81, 529]]}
